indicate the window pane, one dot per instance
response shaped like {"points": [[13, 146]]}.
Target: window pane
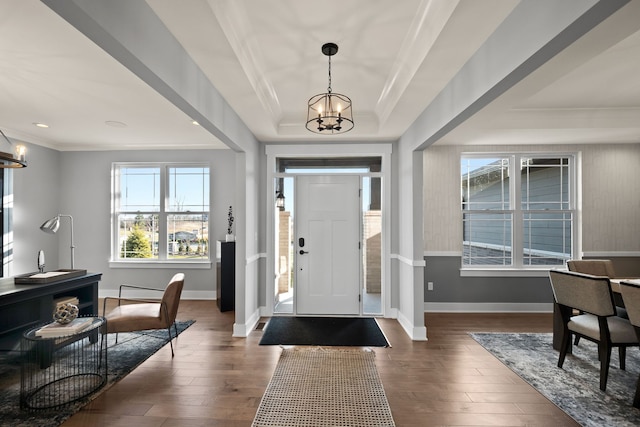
{"points": [[547, 238], [187, 237], [139, 189], [137, 236], [545, 183], [372, 245], [188, 189], [487, 239], [485, 183], [284, 248]]}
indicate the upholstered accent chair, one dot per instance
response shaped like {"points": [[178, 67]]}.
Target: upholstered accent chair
{"points": [[631, 296], [592, 296], [133, 314]]}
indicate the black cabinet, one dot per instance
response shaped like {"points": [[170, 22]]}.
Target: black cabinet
{"points": [[26, 306], [226, 280]]}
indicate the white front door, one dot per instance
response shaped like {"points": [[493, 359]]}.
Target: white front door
{"points": [[327, 244]]}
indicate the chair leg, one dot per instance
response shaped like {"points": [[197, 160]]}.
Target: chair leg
{"points": [[622, 354], [170, 339], [604, 365], [564, 347], [636, 399]]}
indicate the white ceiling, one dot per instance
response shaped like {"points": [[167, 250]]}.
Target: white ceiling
{"points": [[264, 58]]}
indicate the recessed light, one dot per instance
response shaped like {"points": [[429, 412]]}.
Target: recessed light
{"points": [[195, 123], [115, 124], [40, 125]]}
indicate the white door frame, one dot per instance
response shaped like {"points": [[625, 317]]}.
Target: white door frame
{"points": [[328, 151]]}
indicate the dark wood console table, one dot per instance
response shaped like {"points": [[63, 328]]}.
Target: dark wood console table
{"points": [[25, 306]]}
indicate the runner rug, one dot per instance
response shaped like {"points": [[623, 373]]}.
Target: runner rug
{"points": [[324, 387], [576, 387]]}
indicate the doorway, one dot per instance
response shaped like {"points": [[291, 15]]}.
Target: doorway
{"points": [[336, 279]]}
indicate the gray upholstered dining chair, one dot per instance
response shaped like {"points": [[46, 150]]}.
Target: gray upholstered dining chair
{"points": [[138, 315], [592, 296], [631, 296], [595, 267]]}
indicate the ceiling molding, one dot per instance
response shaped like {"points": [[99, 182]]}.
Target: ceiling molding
{"points": [[234, 21], [431, 18]]}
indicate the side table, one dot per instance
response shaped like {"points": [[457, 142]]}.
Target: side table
{"points": [[56, 371]]}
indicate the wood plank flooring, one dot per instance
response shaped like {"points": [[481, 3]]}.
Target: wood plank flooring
{"points": [[217, 380]]}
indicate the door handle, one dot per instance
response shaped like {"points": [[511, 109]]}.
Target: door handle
{"points": [[303, 252]]}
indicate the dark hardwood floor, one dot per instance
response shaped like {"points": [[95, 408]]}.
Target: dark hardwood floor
{"points": [[217, 380]]}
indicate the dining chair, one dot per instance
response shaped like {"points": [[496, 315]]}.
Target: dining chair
{"points": [[134, 314], [631, 296], [592, 296], [596, 267]]}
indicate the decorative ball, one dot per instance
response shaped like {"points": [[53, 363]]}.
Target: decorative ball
{"points": [[65, 313]]}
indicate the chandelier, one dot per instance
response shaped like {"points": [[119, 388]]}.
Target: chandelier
{"points": [[329, 113], [9, 160]]}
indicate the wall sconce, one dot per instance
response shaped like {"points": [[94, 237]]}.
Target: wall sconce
{"points": [[52, 225], [279, 200]]}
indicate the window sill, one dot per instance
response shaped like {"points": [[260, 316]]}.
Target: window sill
{"points": [[506, 272], [192, 265]]}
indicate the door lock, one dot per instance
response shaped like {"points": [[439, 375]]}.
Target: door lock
{"points": [[303, 252]]}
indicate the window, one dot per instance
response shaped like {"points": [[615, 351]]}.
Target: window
{"points": [[160, 212], [518, 210]]}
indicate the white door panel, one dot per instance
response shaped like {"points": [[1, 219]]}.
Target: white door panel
{"points": [[328, 270]]}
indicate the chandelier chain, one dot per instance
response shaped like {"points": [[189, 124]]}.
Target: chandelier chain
{"points": [[329, 88]]}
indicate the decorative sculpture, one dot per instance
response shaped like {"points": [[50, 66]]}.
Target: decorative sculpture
{"points": [[65, 313]]}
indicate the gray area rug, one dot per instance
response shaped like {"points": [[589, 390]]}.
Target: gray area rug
{"points": [[575, 388], [324, 387], [131, 350]]}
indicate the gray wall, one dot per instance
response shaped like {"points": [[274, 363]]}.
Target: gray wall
{"points": [[79, 184], [449, 286]]}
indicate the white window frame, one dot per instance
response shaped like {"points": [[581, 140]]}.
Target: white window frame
{"points": [[515, 204], [162, 261]]}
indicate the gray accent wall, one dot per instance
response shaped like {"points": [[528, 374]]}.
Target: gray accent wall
{"points": [[449, 286]]}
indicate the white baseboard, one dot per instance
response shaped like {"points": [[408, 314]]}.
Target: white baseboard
{"points": [[415, 333], [242, 330], [487, 307]]}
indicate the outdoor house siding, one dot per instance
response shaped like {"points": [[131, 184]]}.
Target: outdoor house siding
{"points": [[495, 231]]}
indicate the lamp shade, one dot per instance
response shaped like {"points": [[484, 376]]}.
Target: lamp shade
{"points": [[51, 226]]}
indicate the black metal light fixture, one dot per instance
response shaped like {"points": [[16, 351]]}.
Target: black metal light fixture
{"points": [[279, 200], [8, 160], [329, 113]]}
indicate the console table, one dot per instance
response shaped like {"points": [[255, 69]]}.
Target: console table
{"points": [[25, 306]]}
